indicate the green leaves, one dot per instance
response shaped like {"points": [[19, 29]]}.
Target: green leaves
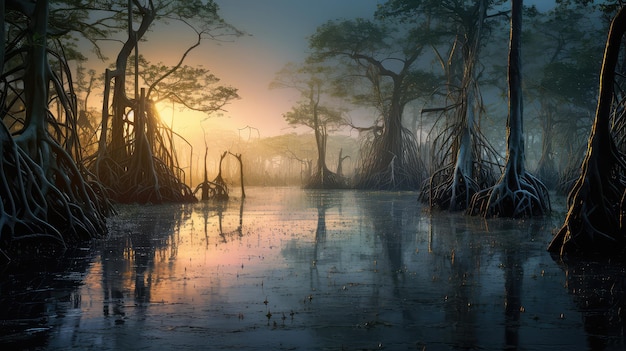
{"points": [[349, 37], [314, 83], [196, 88]]}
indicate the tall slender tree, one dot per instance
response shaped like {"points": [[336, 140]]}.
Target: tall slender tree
{"points": [[462, 158], [517, 193], [135, 159]]}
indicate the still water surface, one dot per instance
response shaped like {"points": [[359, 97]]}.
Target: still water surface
{"points": [[290, 269]]}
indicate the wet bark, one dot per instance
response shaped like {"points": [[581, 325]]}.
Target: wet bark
{"points": [[595, 219], [47, 199], [518, 193], [465, 168]]}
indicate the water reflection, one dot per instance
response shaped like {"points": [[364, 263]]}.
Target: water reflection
{"points": [[598, 289], [37, 296], [322, 201], [294, 269], [128, 257], [209, 209]]}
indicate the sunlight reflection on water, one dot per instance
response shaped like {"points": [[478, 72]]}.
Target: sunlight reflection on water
{"points": [[295, 269]]}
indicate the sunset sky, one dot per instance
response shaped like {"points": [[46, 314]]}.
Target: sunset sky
{"points": [[277, 34]]}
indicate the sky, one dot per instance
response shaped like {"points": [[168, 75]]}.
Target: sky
{"points": [[277, 33]]}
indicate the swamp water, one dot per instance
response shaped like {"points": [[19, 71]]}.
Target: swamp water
{"points": [[290, 269]]}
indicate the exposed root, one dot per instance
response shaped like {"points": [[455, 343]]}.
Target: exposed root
{"points": [[451, 187], [326, 180], [46, 199], [526, 197], [147, 173], [34, 210], [595, 222], [390, 164], [449, 190], [596, 210], [216, 189], [212, 190]]}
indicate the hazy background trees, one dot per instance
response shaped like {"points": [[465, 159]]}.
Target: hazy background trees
{"points": [[381, 65], [433, 100], [419, 88], [313, 82]]}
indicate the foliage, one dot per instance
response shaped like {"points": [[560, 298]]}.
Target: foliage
{"points": [[385, 58], [136, 159], [312, 82], [194, 88]]}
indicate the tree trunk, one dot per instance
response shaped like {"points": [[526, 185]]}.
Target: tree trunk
{"points": [[320, 141], [463, 171], [45, 197], [594, 223], [36, 86], [517, 193], [120, 101], [515, 122]]}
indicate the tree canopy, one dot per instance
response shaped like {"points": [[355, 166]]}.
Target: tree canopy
{"points": [[382, 68]]}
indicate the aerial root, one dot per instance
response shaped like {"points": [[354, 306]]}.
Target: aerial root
{"points": [[55, 204], [529, 198], [389, 164], [446, 191], [326, 180]]}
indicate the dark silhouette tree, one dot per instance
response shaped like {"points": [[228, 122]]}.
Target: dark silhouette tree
{"points": [[385, 58], [595, 219], [518, 193], [135, 158], [217, 188], [47, 199]]}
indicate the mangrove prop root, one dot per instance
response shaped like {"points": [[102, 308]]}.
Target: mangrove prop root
{"points": [[595, 220], [326, 180], [389, 164], [450, 187], [35, 209], [525, 197]]}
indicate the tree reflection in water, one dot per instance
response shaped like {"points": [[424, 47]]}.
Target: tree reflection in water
{"points": [[35, 293], [336, 269], [128, 257], [598, 289]]}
